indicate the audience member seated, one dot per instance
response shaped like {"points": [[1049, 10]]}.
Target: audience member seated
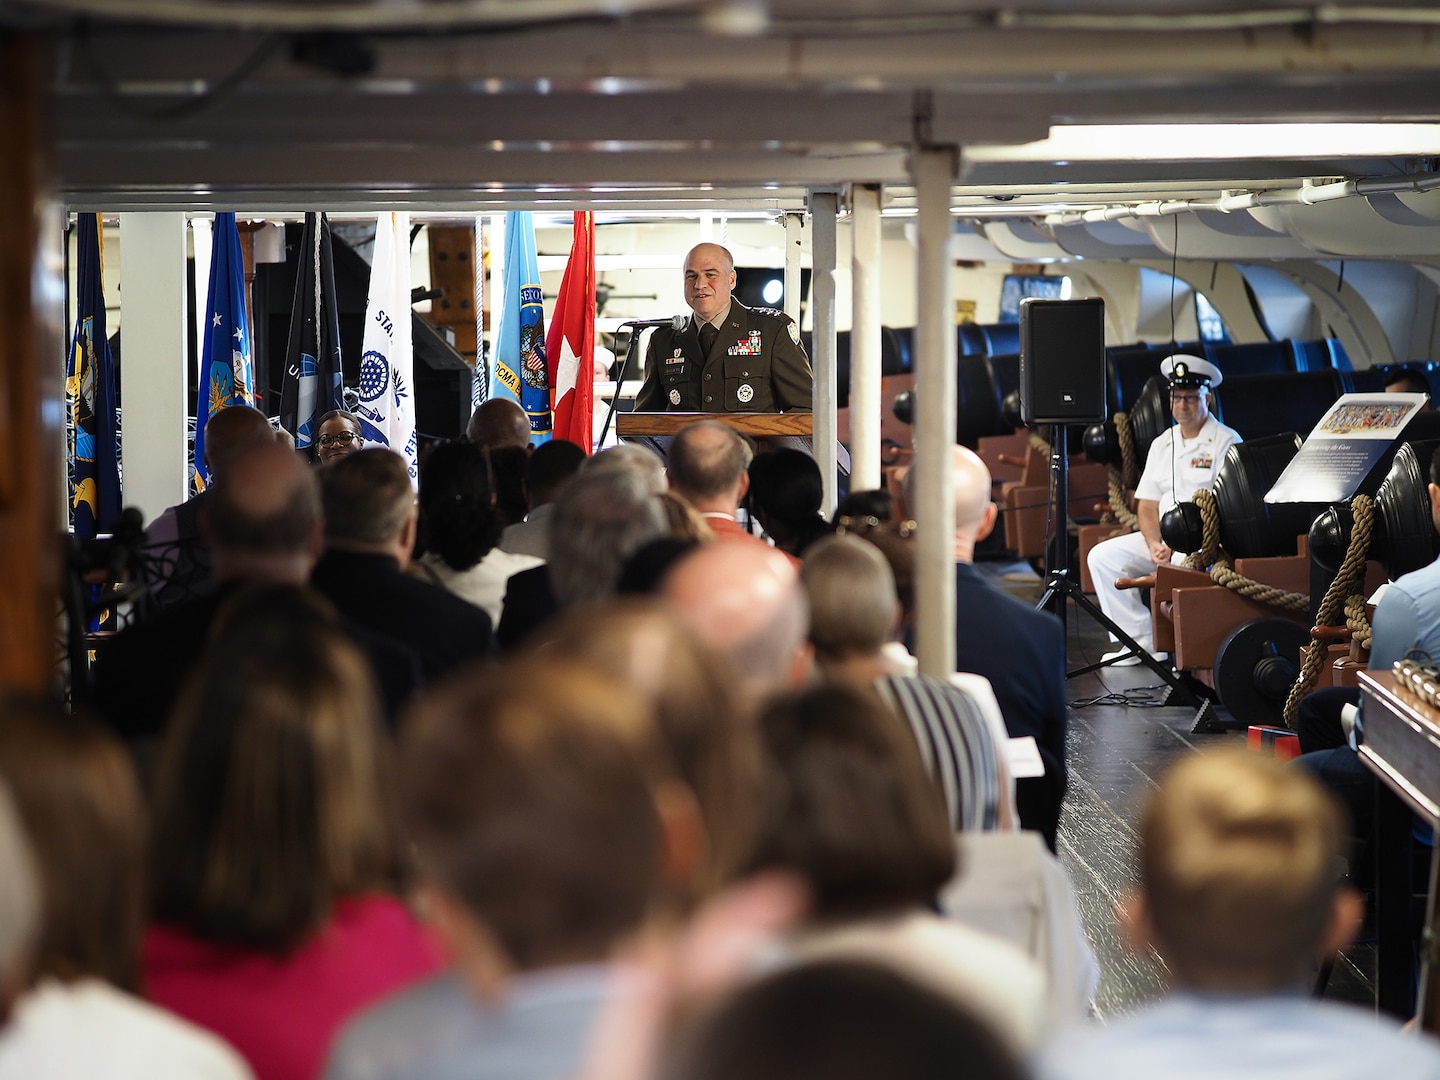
{"points": [[460, 523], [547, 470], [861, 505], [340, 436], [847, 805], [646, 464], [80, 805], [177, 549], [1240, 895], [602, 517], [706, 468], [1407, 619], [839, 1020], [1407, 380], [265, 528], [274, 861], [499, 422], [534, 799], [746, 600], [1020, 650], [854, 615], [20, 902], [785, 496], [708, 733], [370, 521], [508, 466], [644, 572], [683, 521]]}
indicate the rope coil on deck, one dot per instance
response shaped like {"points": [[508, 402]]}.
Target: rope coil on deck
{"points": [[1344, 589]]}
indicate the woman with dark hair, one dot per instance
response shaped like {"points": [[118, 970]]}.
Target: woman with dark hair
{"points": [[785, 495], [847, 805], [273, 856], [79, 802], [462, 524]]}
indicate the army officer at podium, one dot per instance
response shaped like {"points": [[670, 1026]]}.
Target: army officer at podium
{"points": [[726, 357]]}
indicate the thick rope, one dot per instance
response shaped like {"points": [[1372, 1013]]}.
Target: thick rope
{"points": [[1124, 477], [1357, 621], [1213, 556], [1347, 583], [1037, 443]]}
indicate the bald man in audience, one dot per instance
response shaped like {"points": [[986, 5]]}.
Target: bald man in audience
{"points": [[747, 601], [179, 557], [499, 422], [265, 527], [1020, 650], [707, 468]]}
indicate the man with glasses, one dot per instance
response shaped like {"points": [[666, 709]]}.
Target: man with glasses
{"points": [[1181, 461], [339, 436]]}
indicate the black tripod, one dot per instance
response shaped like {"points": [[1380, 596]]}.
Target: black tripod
{"points": [[1061, 586]]}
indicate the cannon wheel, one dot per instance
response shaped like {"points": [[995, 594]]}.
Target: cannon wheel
{"points": [[1255, 667]]}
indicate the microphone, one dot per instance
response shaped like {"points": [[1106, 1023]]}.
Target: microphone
{"points": [[675, 322]]}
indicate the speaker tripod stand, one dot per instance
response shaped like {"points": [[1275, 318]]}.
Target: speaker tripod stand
{"points": [[1061, 587]]}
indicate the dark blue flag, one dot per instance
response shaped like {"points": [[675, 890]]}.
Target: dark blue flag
{"points": [[90, 385], [312, 357], [226, 375]]}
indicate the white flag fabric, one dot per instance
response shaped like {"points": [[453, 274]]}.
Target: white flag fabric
{"points": [[387, 400]]}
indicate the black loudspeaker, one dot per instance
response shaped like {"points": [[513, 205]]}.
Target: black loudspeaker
{"points": [[1062, 361]]}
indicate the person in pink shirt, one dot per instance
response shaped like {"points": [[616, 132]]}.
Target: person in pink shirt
{"points": [[274, 863]]}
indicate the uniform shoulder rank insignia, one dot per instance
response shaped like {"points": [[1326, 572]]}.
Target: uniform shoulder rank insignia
{"points": [[769, 312]]}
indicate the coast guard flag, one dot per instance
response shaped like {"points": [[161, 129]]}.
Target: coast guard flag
{"points": [[312, 356], [520, 370], [387, 407], [227, 376], [90, 385], [571, 344]]}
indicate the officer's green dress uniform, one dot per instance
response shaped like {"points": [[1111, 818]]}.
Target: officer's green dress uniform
{"points": [[756, 364]]}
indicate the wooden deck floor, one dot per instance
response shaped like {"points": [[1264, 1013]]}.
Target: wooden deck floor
{"points": [[1119, 741]]}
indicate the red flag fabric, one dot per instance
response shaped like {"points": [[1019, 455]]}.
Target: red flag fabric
{"points": [[571, 341]]}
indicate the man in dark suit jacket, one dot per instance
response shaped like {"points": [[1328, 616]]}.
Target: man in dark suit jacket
{"points": [[370, 520], [264, 528], [1020, 650], [726, 357]]}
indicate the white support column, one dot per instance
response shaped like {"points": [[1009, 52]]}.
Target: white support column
{"points": [[823, 213], [793, 225], [154, 463], [933, 169], [865, 337]]}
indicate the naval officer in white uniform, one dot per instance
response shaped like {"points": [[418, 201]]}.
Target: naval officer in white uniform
{"points": [[1181, 461]]}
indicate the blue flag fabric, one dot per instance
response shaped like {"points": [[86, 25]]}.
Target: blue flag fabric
{"points": [[520, 368], [226, 373], [90, 385], [312, 356]]}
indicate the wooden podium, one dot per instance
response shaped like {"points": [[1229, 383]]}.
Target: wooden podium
{"points": [[653, 424]]}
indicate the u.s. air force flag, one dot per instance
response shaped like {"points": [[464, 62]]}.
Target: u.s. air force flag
{"points": [[226, 374], [387, 403], [312, 355], [520, 370], [90, 386]]}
